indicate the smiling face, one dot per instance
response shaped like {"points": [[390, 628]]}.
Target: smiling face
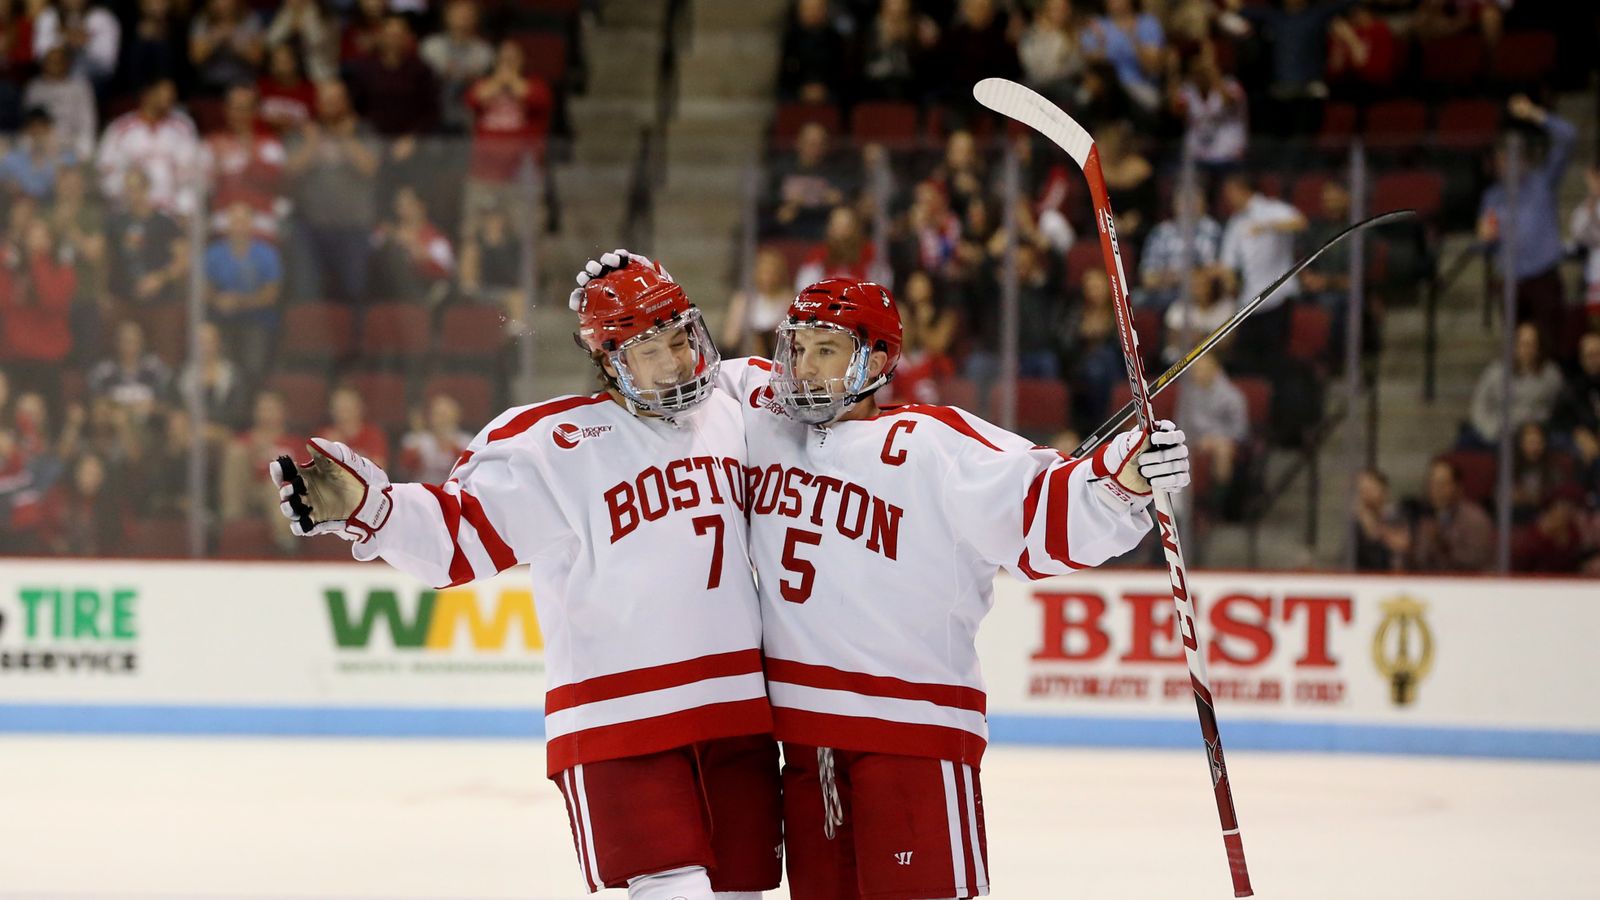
{"points": [[661, 361]]}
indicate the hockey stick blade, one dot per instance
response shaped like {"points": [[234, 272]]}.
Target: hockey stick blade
{"points": [[1113, 424]]}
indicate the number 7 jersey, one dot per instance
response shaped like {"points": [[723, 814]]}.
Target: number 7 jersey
{"points": [[876, 543], [633, 531]]}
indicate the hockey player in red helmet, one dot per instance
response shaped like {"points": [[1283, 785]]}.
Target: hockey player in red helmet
{"points": [[650, 343], [626, 506], [876, 534], [838, 320]]}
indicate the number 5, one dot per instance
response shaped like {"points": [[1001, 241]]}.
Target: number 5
{"points": [[798, 593], [702, 524]]}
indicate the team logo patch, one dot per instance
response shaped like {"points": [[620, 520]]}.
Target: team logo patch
{"points": [[567, 435], [764, 398]]}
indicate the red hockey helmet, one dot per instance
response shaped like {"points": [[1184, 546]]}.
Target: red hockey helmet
{"points": [[863, 311], [622, 312]]}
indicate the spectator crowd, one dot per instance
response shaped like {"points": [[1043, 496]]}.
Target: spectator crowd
{"points": [[1224, 129], [340, 184]]}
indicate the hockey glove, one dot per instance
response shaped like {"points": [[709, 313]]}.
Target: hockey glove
{"points": [[1136, 463], [615, 261], [338, 492]]}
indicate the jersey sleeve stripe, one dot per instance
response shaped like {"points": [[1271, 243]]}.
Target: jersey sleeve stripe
{"points": [[529, 417], [460, 568], [1026, 568], [1057, 524], [499, 553], [759, 363], [651, 678], [829, 678]]}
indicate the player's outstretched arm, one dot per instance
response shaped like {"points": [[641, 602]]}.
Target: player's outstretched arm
{"points": [[1134, 463], [472, 526]]}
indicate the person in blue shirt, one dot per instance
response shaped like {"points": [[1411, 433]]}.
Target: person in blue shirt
{"points": [[243, 277], [1534, 226], [1131, 42], [30, 168]]}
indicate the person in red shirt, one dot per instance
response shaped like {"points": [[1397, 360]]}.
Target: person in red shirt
{"points": [[36, 290], [350, 426], [1362, 58], [287, 96], [414, 259], [510, 118], [246, 161]]}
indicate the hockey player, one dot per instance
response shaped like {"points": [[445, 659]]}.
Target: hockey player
{"points": [[876, 534], [627, 506]]}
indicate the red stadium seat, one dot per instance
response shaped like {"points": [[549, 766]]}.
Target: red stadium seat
{"points": [[893, 124], [1396, 123], [322, 332], [1338, 124], [472, 333], [396, 330], [1467, 124], [546, 53], [1418, 189], [958, 392], [474, 392], [1042, 404], [1307, 193], [384, 395], [1455, 61], [305, 395], [1257, 397], [1478, 470], [1309, 329], [1270, 184], [246, 539], [153, 539], [1524, 58], [1083, 256], [791, 117]]}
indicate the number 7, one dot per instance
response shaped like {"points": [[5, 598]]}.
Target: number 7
{"points": [[702, 524]]}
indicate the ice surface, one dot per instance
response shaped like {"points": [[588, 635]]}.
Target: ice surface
{"points": [[189, 817]]}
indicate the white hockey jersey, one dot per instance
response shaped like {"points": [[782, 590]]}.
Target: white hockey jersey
{"points": [[876, 543], [634, 533]]}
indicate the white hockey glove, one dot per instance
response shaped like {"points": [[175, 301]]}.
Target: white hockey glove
{"points": [[614, 261], [338, 492], [1138, 463]]}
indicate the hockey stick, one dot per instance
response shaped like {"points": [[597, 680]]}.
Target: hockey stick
{"points": [[1114, 423], [1017, 102]]}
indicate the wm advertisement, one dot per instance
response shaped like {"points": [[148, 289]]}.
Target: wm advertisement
{"points": [[1326, 655]]}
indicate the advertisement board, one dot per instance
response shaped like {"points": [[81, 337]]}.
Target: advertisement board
{"points": [[1296, 661]]}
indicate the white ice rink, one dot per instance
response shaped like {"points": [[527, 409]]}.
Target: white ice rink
{"points": [[162, 817]]}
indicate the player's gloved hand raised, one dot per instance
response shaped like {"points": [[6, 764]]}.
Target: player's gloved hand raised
{"points": [[607, 263], [338, 492], [1138, 462]]}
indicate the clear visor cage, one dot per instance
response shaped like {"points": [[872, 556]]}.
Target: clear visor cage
{"points": [[668, 369], [819, 400]]}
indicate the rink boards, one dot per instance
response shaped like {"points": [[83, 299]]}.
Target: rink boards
{"points": [[1461, 666]]}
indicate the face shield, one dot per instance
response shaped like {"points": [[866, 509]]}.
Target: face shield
{"points": [[819, 370], [669, 369]]}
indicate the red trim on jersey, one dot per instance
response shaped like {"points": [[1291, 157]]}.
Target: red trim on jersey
{"points": [[529, 417], [657, 733], [1026, 567], [758, 362], [876, 735], [460, 569], [465, 456], [807, 675], [949, 415], [652, 678], [1056, 542], [499, 553]]}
